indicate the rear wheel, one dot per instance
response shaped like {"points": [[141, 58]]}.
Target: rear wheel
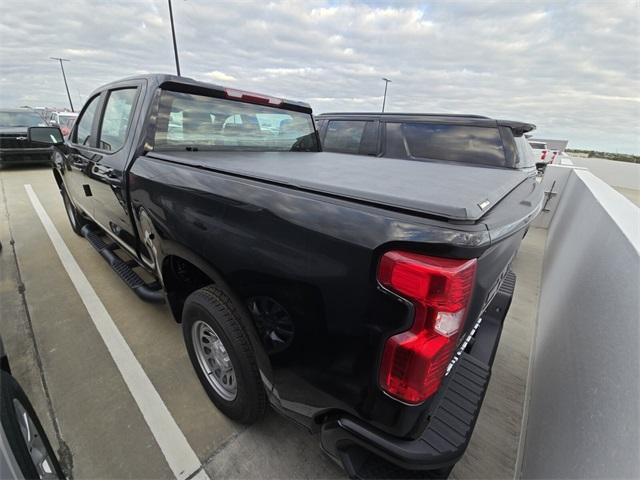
{"points": [[222, 355], [76, 220], [27, 440]]}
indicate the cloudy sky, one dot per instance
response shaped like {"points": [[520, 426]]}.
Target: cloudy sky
{"points": [[570, 67]]}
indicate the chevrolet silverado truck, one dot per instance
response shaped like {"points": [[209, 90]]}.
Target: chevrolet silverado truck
{"points": [[361, 297]]}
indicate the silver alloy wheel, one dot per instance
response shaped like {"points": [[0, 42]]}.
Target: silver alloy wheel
{"points": [[35, 443], [214, 360], [70, 212]]}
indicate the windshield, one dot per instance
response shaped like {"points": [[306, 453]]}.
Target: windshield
{"points": [[188, 121], [538, 146], [20, 119], [66, 120]]}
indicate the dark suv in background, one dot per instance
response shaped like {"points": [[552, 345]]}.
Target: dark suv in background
{"points": [[15, 146], [470, 139]]}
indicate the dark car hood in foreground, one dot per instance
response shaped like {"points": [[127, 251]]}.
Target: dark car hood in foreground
{"points": [[457, 192]]}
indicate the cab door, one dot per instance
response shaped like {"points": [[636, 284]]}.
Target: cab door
{"points": [[79, 154], [107, 168]]}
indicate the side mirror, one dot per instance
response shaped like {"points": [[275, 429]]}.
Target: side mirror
{"points": [[46, 135], [541, 166]]}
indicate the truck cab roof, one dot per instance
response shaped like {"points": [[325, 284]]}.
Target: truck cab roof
{"points": [[190, 85]]}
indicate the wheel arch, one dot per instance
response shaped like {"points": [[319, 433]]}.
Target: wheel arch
{"points": [[181, 277], [184, 274]]}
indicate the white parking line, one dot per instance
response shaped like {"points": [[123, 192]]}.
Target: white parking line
{"points": [[179, 455]]}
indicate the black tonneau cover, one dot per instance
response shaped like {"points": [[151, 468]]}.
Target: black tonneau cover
{"points": [[457, 192]]}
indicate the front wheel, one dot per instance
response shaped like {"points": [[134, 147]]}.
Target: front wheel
{"points": [[76, 220], [222, 355]]}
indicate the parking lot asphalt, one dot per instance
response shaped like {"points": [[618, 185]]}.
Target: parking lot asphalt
{"points": [[95, 422]]}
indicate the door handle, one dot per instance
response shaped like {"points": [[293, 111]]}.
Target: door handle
{"points": [[103, 171], [76, 160], [107, 174]]}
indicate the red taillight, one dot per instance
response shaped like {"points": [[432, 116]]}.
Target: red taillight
{"points": [[252, 97], [414, 362], [544, 155]]}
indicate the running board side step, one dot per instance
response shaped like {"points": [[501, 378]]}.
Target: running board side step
{"points": [[148, 292]]}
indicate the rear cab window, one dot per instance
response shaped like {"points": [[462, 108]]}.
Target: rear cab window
{"points": [[199, 122]]}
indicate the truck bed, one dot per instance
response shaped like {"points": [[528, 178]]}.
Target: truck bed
{"points": [[452, 191]]}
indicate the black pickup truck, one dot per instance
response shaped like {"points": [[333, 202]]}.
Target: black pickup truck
{"points": [[361, 297]]}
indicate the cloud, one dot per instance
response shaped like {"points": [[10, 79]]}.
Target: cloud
{"points": [[572, 68], [80, 52], [216, 75]]}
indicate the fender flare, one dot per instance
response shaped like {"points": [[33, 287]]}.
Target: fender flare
{"points": [[169, 248]]}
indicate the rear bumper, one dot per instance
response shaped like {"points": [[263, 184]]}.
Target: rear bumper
{"points": [[366, 452]]}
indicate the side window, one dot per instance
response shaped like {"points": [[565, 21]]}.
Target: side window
{"points": [[455, 143], [82, 134], [344, 136], [369, 143], [394, 145], [116, 119]]}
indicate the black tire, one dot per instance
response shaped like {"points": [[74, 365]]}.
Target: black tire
{"points": [[76, 220], [215, 307], [10, 393]]}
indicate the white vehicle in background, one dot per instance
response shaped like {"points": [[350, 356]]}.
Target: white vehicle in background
{"points": [[63, 120], [542, 152]]}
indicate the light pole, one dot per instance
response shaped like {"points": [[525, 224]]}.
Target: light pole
{"points": [[384, 100], [173, 33], [65, 78]]}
